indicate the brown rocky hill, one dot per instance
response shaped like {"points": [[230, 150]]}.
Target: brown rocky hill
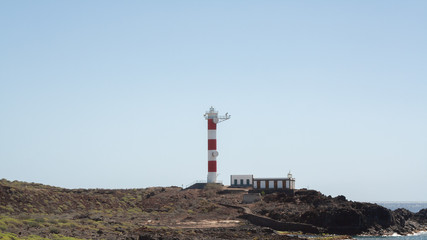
{"points": [[214, 212], [29, 209]]}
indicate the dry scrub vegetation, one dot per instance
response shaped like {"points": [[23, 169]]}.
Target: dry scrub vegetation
{"points": [[35, 211], [31, 211]]}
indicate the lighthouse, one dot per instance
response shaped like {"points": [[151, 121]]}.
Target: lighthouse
{"points": [[213, 120]]}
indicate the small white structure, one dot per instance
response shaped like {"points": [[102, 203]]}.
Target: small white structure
{"points": [[241, 180]]}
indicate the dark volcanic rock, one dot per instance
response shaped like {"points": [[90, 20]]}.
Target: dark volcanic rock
{"points": [[402, 215], [421, 216], [340, 216], [347, 219]]}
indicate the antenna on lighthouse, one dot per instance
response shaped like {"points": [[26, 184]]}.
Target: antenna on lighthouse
{"points": [[213, 119]]}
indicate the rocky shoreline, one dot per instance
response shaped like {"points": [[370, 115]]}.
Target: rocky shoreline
{"points": [[340, 216], [28, 209]]}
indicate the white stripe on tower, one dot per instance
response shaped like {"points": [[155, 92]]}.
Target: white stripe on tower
{"points": [[211, 134]]}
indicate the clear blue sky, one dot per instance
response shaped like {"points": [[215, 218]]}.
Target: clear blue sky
{"points": [[111, 94]]}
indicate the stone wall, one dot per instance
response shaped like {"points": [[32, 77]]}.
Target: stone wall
{"points": [[280, 226]]}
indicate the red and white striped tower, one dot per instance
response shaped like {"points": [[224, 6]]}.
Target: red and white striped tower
{"points": [[213, 120]]}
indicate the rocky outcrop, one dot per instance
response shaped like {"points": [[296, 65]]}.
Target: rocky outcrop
{"points": [[340, 216], [348, 218], [421, 216]]}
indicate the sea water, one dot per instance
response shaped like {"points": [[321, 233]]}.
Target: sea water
{"points": [[411, 206], [417, 236]]}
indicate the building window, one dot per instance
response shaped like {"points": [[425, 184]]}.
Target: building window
{"points": [[235, 181], [241, 182], [271, 184], [248, 182]]}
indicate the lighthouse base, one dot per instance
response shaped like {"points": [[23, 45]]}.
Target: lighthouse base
{"points": [[211, 177]]}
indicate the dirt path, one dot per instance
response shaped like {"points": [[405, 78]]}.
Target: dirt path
{"points": [[209, 224]]}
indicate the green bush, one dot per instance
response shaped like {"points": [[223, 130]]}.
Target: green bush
{"points": [[40, 220], [3, 227], [63, 220], [54, 230], [8, 236], [53, 221], [32, 223]]}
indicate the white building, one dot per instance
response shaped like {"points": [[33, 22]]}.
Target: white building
{"points": [[274, 183], [263, 183], [241, 180]]}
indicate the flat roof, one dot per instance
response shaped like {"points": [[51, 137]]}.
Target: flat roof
{"points": [[273, 179]]}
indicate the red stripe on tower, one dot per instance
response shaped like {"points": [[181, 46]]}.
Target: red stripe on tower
{"points": [[211, 124], [211, 144], [212, 166]]}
